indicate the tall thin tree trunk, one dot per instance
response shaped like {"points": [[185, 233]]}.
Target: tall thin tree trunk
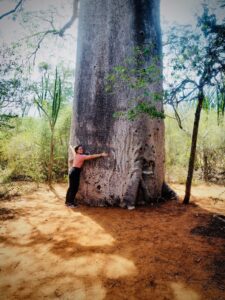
{"points": [[205, 166], [108, 32], [51, 158], [193, 148]]}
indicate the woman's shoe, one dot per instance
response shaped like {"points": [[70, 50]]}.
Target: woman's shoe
{"points": [[130, 207], [71, 205]]}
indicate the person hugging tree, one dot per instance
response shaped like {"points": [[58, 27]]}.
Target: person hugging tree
{"points": [[74, 174]]}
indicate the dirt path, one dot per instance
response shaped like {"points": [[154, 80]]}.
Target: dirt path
{"points": [[163, 252]]}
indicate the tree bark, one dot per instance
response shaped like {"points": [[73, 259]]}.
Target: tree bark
{"points": [[205, 165], [51, 158], [12, 11], [193, 148], [108, 31]]}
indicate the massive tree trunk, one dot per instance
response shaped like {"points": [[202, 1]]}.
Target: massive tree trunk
{"points": [[108, 31]]}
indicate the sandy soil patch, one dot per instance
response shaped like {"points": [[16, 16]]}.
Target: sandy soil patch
{"points": [[167, 251]]}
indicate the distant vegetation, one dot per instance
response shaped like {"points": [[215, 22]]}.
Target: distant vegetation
{"points": [[210, 159], [24, 149]]}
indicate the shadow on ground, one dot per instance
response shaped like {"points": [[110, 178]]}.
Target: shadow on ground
{"points": [[168, 251]]}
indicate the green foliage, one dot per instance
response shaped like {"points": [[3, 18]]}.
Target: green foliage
{"points": [[196, 63], [29, 145], [13, 86], [211, 144], [197, 75], [137, 75], [30, 156], [49, 98], [62, 132], [19, 151], [24, 148], [49, 101], [140, 108]]}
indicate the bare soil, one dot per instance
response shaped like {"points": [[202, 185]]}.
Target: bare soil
{"points": [[166, 251]]}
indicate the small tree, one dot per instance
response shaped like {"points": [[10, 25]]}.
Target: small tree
{"points": [[48, 102], [14, 92], [198, 74]]}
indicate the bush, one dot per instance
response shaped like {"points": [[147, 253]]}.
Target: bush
{"points": [[24, 149], [210, 160]]}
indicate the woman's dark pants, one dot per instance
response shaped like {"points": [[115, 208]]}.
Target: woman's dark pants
{"points": [[74, 180]]}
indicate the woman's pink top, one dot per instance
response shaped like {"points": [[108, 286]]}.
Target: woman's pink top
{"points": [[78, 160]]}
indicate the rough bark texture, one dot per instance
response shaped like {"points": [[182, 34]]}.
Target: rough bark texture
{"points": [[108, 31], [205, 166], [193, 148], [51, 157]]}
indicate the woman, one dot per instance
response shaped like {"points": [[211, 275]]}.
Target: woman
{"points": [[74, 174]]}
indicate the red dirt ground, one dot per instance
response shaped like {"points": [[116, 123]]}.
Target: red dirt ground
{"points": [[162, 252]]}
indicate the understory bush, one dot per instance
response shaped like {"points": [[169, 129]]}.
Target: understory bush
{"points": [[210, 159], [24, 148]]}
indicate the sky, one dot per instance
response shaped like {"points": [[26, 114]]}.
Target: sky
{"points": [[53, 49], [179, 11]]}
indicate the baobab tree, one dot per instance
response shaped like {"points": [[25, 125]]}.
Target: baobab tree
{"points": [[108, 31]]}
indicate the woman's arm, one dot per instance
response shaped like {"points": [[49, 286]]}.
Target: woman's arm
{"points": [[72, 149], [93, 156]]}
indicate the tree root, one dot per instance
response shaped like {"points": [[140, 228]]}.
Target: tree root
{"points": [[168, 193], [137, 182], [145, 190], [133, 185]]}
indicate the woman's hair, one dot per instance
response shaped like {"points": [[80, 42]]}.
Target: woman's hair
{"points": [[77, 147]]}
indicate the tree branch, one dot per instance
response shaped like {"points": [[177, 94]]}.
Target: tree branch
{"points": [[34, 53], [19, 4], [71, 21], [54, 31], [177, 117]]}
